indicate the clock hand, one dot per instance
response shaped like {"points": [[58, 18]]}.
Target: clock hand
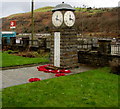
{"points": [[58, 19], [70, 19]]}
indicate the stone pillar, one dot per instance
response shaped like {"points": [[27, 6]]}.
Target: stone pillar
{"points": [[104, 46], [68, 49]]}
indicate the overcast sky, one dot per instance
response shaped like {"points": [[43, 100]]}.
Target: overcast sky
{"points": [[8, 7]]}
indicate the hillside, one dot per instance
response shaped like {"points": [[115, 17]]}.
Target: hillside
{"points": [[44, 9], [88, 20]]}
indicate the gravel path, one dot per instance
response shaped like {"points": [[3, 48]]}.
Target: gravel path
{"points": [[19, 76]]}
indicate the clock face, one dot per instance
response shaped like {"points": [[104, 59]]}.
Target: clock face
{"points": [[69, 18], [57, 18]]}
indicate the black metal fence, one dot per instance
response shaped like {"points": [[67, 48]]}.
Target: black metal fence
{"points": [[83, 44], [113, 48], [24, 43], [87, 46]]}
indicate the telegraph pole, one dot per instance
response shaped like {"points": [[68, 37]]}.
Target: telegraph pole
{"points": [[32, 20]]}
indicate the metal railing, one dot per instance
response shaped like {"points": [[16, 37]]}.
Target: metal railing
{"points": [[85, 46], [114, 48]]}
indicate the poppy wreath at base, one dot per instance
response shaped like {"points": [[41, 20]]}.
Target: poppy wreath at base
{"points": [[65, 71], [43, 68], [34, 79], [60, 74]]}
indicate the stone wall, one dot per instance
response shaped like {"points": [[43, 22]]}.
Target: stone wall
{"points": [[95, 58]]}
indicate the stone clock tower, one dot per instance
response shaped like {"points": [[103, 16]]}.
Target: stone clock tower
{"points": [[64, 40]]}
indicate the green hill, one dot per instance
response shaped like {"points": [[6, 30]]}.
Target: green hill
{"points": [[90, 10], [44, 9], [49, 8]]}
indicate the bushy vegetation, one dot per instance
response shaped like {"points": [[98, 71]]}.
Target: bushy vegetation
{"points": [[10, 52]]}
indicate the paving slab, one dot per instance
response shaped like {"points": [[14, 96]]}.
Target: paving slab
{"points": [[19, 76]]}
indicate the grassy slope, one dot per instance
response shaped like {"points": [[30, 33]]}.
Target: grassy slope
{"points": [[11, 60], [49, 8], [44, 9], [96, 88]]}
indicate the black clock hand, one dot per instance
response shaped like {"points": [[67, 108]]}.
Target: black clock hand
{"points": [[58, 19], [71, 19]]}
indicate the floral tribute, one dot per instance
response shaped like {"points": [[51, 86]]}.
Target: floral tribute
{"points": [[52, 69], [34, 79]]}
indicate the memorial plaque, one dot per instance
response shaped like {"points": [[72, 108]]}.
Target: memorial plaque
{"points": [[57, 49]]}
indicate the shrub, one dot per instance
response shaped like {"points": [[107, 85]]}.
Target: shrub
{"points": [[11, 52], [28, 54], [115, 66]]}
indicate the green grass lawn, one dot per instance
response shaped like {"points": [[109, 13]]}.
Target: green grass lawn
{"points": [[95, 88], [12, 60]]}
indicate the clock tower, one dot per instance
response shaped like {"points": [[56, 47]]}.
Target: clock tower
{"points": [[64, 40]]}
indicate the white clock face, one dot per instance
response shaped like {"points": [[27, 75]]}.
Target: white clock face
{"points": [[69, 18], [57, 18]]}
